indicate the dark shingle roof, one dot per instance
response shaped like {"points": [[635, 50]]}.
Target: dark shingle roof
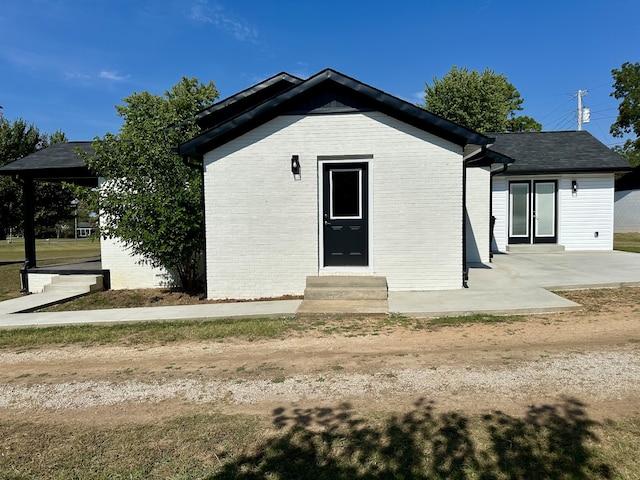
{"points": [[57, 162], [327, 91], [557, 152]]}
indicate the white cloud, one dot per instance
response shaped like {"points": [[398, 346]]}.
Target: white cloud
{"points": [[112, 75], [215, 14], [77, 76]]}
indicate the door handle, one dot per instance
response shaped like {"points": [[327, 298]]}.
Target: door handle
{"points": [[327, 223]]}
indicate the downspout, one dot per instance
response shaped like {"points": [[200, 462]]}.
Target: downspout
{"points": [[465, 272]]}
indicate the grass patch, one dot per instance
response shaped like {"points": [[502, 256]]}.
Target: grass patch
{"points": [[476, 318], [628, 242], [218, 329], [52, 250], [9, 281], [544, 442], [148, 332]]}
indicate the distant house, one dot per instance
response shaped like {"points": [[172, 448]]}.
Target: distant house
{"points": [[560, 190], [84, 229]]}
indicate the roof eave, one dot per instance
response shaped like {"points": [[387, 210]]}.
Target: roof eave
{"points": [[550, 171]]}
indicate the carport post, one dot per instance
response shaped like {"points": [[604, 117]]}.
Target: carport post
{"points": [[28, 196]]}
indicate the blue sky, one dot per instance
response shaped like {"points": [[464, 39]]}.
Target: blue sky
{"points": [[65, 64]]}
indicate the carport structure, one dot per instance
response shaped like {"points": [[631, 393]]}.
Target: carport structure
{"points": [[60, 162]]}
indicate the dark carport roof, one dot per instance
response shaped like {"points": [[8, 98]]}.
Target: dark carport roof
{"points": [[56, 163], [557, 152], [284, 102]]}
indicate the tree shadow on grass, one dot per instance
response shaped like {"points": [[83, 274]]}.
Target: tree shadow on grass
{"points": [[548, 442]]}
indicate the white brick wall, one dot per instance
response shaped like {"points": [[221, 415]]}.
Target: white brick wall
{"points": [[580, 216], [478, 193], [263, 227], [126, 270]]}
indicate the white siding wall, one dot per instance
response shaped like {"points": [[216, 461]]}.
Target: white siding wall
{"points": [[627, 211], [587, 212], [126, 270], [478, 214], [262, 226], [580, 216]]}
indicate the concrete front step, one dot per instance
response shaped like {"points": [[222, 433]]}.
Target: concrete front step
{"points": [[536, 248], [76, 284], [345, 294], [346, 288]]}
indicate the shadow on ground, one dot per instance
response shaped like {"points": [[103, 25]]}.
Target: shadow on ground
{"points": [[548, 442]]}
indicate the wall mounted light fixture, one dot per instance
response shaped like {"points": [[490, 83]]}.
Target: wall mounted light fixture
{"points": [[295, 167], [574, 187]]}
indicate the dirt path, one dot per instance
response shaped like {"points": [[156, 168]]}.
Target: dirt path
{"points": [[592, 355]]}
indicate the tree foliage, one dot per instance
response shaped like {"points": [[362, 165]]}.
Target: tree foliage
{"points": [[626, 88], [151, 201], [19, 139], [482, 101]]}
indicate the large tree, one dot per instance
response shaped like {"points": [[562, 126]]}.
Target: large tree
{"points": [[152, 201], [19, 139], [483, 101], [626, 88]]}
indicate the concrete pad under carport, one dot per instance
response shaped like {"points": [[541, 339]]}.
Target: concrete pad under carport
{"points": [[520, 284], [574, 270]]}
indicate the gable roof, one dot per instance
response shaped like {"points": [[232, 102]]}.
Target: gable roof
{"points": [[328, 91], [557, 152], [56, 163]]}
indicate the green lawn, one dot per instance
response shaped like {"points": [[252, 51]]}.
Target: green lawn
{"points": [[628, 242], [47, 253], [50, 251]]}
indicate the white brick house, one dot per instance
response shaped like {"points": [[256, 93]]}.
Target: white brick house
{"points": [[380, 189]]}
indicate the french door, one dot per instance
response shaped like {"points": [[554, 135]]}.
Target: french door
{"points": [[532, 212]]}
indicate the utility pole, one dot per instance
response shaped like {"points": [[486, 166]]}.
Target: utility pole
{"points": [[584, 114]]}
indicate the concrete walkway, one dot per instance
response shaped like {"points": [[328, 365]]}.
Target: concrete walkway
{"points": [[511, 284]]}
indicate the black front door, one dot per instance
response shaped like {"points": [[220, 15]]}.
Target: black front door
{"points": [[345, 215]]}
